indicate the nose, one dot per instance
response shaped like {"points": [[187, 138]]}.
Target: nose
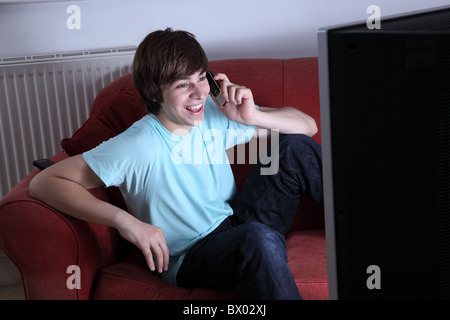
{"points": [[199, 91]]}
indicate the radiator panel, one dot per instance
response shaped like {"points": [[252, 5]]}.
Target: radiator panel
{"points": [[45, 99]]}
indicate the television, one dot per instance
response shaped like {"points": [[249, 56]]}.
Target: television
{"points": [[385, 121]]}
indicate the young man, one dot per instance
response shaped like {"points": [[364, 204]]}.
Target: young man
{"points": [[186, 218]]}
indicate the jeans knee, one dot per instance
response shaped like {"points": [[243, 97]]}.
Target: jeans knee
{"points": [[299, 151], [261, 242]]}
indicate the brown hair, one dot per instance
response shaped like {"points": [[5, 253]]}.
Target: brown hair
{"points": [[163, 57]]}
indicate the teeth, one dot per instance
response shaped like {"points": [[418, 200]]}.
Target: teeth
{"points": [[194, 108]]}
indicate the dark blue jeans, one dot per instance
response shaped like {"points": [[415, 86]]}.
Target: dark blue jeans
{"points": [[247, 252]]}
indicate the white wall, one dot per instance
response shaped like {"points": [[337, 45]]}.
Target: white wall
{"points": [[227, 29]]}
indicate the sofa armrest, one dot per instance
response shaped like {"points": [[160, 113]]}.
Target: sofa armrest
{"points": [[43, 242]]}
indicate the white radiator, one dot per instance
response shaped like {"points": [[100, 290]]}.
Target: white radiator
{"points": [[46, 98]]}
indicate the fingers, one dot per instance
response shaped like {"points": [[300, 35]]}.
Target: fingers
{"points": [[154, 248], [232, 92], [149, 258], [221, 77], [162, 259], [159, 254], [237, 94], [149, 239]]}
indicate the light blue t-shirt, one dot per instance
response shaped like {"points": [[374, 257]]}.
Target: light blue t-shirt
{"points": [[182, 184]]}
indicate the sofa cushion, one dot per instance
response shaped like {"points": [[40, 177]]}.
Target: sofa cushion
{"points": [[116, 107], [127, 280], [307, 261], [131, 279]]}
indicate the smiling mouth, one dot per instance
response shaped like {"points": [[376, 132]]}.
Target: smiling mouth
{"points": [[194, 109]]}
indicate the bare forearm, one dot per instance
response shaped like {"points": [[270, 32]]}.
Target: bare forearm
{"points": [[240, 107], [74, 200], [287, 120]]}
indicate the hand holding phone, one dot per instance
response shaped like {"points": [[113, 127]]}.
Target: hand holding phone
{"points": [[215, 89]]}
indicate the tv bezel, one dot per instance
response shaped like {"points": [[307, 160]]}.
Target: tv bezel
{"points": [[324, 88]]}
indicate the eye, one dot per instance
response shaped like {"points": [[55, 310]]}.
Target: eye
{"points": [[202, 78], [182, 85]]}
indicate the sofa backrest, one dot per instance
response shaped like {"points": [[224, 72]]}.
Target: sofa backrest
{"points": [[278, 82]]}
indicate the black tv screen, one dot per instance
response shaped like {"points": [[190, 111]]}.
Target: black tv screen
{"points": [[385, 117]]}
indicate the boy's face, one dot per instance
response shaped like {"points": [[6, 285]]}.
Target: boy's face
{"points": [[183, 103]]}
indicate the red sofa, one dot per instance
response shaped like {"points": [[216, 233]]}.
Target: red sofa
{"points": [[43, 242]]}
